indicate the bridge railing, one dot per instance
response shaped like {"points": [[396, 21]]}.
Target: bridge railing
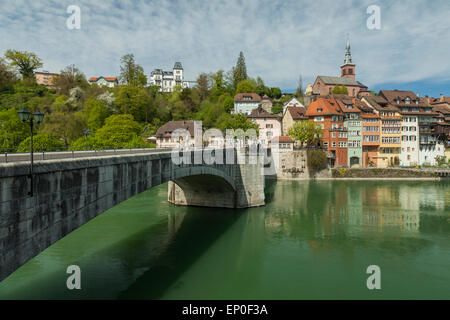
{"points": [[9, 155]]}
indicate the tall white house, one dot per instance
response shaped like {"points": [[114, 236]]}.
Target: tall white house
{"points": [[167, 80]]}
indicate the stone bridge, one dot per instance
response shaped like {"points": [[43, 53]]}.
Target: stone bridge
{"points": [[70, 192]]}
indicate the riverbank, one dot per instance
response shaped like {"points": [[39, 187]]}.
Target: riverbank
{"points": [[374, 174]]}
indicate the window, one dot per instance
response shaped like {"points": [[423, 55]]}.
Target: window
{"points": [[325, 145], [342, 144], [318, 119], [407, 101], [333, 144], [319, 110], [333, 134]]}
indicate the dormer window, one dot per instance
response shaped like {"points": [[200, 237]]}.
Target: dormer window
{"points": [[319, 110], [349, 106], [407, 101], [417, 101], [398, 101]]}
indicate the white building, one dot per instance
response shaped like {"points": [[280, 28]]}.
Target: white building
{"points": [[292, 103], [246, 102], [101, 81], [167, 80], [409, 155]]}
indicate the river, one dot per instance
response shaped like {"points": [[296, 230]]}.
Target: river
{"points": [[312, 240]]}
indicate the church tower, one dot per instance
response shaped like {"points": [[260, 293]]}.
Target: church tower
{"points": [[348, 68]]}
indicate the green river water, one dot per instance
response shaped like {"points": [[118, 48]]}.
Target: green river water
{"points": [[312, 240]]}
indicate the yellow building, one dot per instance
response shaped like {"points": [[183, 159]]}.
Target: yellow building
{"points": [[390, 139], [390, 131], [290, 116]]}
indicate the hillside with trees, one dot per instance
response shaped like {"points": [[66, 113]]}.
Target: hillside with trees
{"points": [[116, 117]]}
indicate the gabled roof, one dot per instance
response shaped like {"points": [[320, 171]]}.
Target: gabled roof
{"points": [[341, 81], [297, 113], [261, 113], [109, 79], [169, 127], [247, 97], [380, 104], [329, 107], [282, 139]]}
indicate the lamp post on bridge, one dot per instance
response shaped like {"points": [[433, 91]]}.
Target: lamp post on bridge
{"points": [[24, 116], [87, 132]]}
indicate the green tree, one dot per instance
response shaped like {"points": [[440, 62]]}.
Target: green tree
{"points": [[203, 85], [317, 160], [228, 104], [339, 89], [65, 127], [97, 113], [236, 121], [7, 77], [305, 132], [240, 71], [130, 72], [245, 86], [70, 77], [12, 130], [299, 92], [118, 131], [135, 101], [277, 108], [24, 62], [41, 142], [275, 93]]}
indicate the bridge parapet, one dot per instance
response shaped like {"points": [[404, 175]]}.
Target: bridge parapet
{"points": [[70, 192]]}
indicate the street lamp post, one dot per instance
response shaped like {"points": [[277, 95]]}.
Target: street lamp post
{"points": [[86, 132], [25, 115]]}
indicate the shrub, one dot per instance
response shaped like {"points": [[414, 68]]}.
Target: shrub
{"points": [[41, 142], [440, 160], [317, 160]]}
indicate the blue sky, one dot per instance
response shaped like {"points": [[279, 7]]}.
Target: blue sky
{"points": [[280, 39]]}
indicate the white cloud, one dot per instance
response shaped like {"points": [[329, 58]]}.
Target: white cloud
{"points": [[279, 38]]}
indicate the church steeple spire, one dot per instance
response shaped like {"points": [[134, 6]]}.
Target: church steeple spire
{"points": [[348, 68], [348, 55]]}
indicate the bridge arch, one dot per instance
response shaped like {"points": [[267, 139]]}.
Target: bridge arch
{"points": [[70, 192]]}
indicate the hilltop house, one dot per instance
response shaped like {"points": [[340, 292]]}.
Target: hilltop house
{"points": [[246, 102], [110, 82], [167, 80]]}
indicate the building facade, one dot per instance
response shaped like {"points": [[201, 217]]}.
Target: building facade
{"points": [[246, 102], [416, 128], [45, 78], [269, 125], [167, 137], [168, 80], [292, 115], [324, 84], [327, 113], [110, 82]]}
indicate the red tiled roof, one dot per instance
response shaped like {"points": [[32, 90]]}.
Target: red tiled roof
{"points": [[109, 79], [329, 107]]}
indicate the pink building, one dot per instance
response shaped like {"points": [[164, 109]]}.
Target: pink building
{"points": [[45, 78], [269, 124]]}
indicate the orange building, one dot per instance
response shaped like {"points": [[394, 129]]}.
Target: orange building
{"points": [[327, 113], [371, 135]]}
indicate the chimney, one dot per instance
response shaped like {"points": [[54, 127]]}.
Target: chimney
{"points": [[442, 97]]}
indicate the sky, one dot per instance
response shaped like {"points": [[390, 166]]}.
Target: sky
{"points": [[280, 38]]}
